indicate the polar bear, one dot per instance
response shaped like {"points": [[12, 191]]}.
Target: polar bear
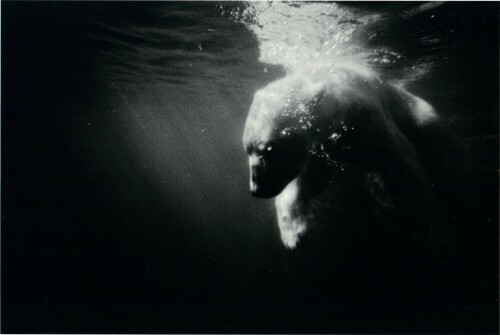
{"points": [[309, 130]]}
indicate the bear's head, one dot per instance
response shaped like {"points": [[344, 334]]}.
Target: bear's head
{"points": [[279, 133]]}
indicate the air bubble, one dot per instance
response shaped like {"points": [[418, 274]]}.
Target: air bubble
{"points": [[335, 136]]}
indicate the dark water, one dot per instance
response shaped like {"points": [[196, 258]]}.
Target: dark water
{"points": [[125, 203]]}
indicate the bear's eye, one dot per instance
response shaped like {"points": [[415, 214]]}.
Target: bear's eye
{"points": [[265, 148]]}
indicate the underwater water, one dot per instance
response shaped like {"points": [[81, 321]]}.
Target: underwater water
{"points": [[125, 201]]}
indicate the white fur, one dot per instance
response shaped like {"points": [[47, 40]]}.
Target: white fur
{"points": [[280, 109], [292, 217], [422, 112]]}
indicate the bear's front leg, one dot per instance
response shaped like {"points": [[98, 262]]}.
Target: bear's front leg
{"points": [[291, 207]]}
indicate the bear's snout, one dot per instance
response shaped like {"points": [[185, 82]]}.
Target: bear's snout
{"points": [[257, 183], [262, 185]]}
